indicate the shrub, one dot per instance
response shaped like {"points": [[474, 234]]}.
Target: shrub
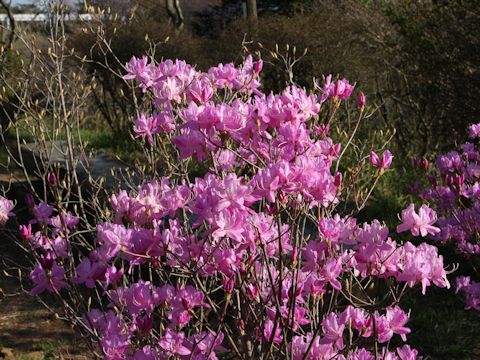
{"points": [[253, 258]]}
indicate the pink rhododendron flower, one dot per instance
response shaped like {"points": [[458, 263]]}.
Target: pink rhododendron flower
{"points": [[407, 353], [172, 344], [47, 278], [397, 319], [268, 332], [6, 207], [474, 131], [384, 163], [419, 224], [88, 272], [147, 127], [136, 68]]}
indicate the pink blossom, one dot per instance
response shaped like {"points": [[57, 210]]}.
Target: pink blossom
{"points": [[172, 344], [88, 272], [419, 224], [397, 319], [268, 332], [206, 343], [330, 272], [136, 68], [333, 331], [383, 163], [25, 231], [474, 131], [361, 100], [6, 207], [461, 283], [42, 213], [407, 353], [50, 278], [343, 89], [146, 126]]}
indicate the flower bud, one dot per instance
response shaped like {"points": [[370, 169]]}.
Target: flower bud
{"points": [[258, 66], [25, 231], [321, 130], [52, 178], [294, 255], [145, 324], [337, 181], [229, 284], [30, 200], [425, 164], [361, 100]]}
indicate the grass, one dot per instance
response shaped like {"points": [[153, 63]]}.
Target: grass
{"points": [[93, 136], [105, 140], [441, 328]]}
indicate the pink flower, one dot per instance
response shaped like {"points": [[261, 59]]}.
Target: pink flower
{"points": [[343, 89], [112, 275], [361, 100], [333, 331], [146, 126], [268, 328], [474, 131], [205, 344], [340, 89], [383, 163], [136, 68], [407, 353], [183, 303], [461, 283], [397, 319], [88, 272], [419, 224], [229, 224], [25, 231], [200, 90], [331, 271], [172, 344], [6, 207], [47, 278], [42, 213]]}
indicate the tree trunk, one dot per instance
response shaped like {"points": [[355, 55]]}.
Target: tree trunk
{"points": [[11, 24], [252, 9], [174, 10]]}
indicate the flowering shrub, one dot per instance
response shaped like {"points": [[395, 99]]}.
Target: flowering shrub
{"points": [[454, 190], [252, 259]]}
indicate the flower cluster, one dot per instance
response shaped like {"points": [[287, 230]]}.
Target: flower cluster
{"points": [[471, 290], [455, 191], [249, 258]]}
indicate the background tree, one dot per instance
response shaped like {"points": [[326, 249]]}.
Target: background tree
{"points": [[174, 10]]}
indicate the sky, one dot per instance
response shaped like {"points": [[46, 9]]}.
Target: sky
{"points": [[22, 2], [193, 4]]}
